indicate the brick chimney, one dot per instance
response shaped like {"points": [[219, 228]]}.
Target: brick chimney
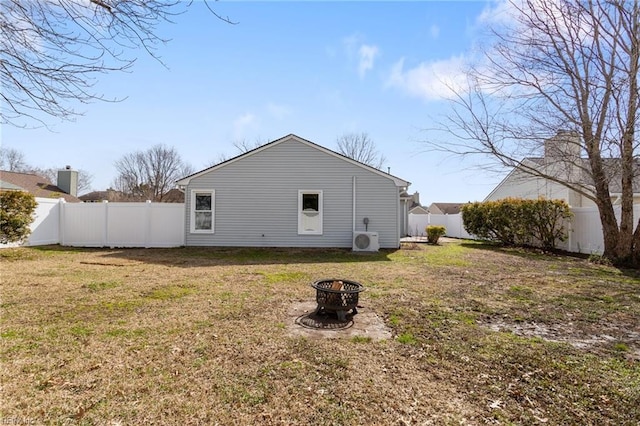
{"points": [[68, 181]]}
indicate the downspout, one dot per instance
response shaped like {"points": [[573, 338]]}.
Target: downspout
{"points": [[187, 215], [405, 219], [353, 209]]}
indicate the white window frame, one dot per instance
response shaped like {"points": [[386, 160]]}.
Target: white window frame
{"points": [[195, 192], [301, 230]]}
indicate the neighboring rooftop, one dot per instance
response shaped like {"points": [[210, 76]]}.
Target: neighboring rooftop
{"points": [[445, 208], [612, 167], [34, 184], [174, 195], [100, 196]]}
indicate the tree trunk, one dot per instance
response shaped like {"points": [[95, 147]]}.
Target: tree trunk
{"points": [[636, 246]]}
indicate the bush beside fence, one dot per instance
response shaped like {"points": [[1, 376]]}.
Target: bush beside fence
{"points": [[584, 236]]}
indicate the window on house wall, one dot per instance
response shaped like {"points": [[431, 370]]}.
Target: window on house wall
{"points": [[202, 211], [310, 212]]}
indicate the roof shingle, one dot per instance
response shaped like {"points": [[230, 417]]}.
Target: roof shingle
{"points": [[34, 184]]}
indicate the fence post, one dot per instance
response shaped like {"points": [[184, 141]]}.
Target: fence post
{"points": [[61, 221], [147, 231], [105, 229], [570, 234]]}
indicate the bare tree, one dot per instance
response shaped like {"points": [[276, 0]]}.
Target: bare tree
{"points": [[150, 174], [360, 147], [560, 65], [12, 160], [84, 177], [242, 146], [53, 50]]}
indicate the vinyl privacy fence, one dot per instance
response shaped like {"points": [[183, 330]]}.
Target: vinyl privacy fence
{"points": [[162, 225], [107, 224], [584, 230]]}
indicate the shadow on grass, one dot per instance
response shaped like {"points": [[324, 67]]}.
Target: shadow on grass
{"points": [[522, 252], [202, 256], [538, 254]]}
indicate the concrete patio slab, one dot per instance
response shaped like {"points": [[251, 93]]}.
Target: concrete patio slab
{"points": [[365, 323]]}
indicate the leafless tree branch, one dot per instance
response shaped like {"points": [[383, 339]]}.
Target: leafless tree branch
{"points": [[360, 147], [53, 51], [150, 174], [559, 65]]}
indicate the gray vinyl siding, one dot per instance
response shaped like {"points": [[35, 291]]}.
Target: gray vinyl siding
{"points": [[256, 199]]}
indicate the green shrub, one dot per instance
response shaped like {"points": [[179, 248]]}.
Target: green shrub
{"points": [[519, 222], [434, 233], [16, 214], [545, 219]]}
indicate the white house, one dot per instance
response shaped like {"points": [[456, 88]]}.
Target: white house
{"points": [[562, 160], [292, 193]]}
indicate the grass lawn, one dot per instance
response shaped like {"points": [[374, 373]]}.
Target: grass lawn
{"points": [[184, 336]]}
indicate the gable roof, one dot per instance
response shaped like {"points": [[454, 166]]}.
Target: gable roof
{"points": [[34, 184], [418, 210], [398, 181], [612, 168], [448, 208]]}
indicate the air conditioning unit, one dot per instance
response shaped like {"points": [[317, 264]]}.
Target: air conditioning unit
{"points": [[365, 241]]}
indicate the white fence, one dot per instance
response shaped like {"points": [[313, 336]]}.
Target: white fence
{"points": [[585, 230], [108, 224], [162, 225], [451, 222]]}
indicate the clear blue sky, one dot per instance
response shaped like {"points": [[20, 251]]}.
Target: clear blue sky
{"points": [[316, 69]]}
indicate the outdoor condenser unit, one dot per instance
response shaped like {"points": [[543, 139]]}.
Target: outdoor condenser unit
{"points": [[365, 241]]}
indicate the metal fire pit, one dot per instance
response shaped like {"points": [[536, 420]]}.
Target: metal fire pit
{"points": [[339, 296]]}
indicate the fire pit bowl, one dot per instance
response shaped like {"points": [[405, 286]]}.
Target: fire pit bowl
{"points": [[336, 295]]}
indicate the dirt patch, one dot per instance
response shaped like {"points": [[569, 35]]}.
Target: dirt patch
{"points": [[594, 339], [364, 324]]}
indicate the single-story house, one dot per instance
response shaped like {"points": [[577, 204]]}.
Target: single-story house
{"points": [[109, 195], [562, 160], [293, 193], [445, 208], [174, 195], [42, 187], [418, 210]]}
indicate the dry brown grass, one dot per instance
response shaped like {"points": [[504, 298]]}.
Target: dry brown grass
{"points": [[198, 336]]}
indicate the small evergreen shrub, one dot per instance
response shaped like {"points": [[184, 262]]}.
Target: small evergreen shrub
{"points": [[16, 214], [434, 233]]}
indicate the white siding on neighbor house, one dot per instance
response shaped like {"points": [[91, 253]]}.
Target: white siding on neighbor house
{"points": [[522, 185], [256, 199]]}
